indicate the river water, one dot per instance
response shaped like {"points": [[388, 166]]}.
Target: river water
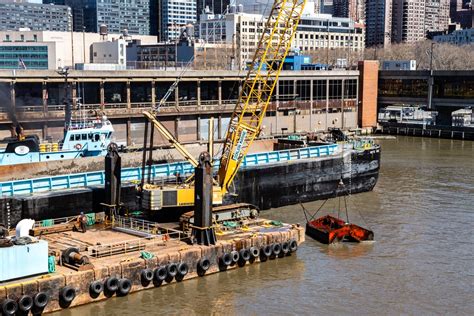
{"points": [[422, 262]]}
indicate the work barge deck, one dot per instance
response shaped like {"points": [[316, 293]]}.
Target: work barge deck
{"points": [[135, 255]]}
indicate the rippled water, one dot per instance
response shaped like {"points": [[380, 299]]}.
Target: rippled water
{"points": [[422, 262]]}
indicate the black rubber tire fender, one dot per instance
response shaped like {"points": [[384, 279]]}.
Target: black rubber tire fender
{"points": [[254, 252], [124, 287], [244, 254], [67, 294], [160, 274], [293, 245], [203, 264], [40, 300], [276, 248], [226, 259], [172, 270], [96, 287], [111, 284], [183, 269], [147, 275], [266, 251], [9, 307], [285, 247], [235, 256], [25, 303]]}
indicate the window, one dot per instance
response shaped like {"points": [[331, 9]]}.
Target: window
{"points": [[319, 89]]}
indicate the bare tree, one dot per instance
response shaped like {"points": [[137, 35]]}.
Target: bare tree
{"points": [[445, 56]]}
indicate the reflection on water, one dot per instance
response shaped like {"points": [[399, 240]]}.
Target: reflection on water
{"points": [[422, 262]]}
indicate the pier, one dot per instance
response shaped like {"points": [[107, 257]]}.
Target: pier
{"points": [[434, 131], [303, 101]]}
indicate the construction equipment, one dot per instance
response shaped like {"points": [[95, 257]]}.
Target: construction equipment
{"points": [[246, 120]]}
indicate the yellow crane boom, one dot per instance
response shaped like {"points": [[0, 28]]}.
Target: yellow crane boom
{"points": [[246, 120], [257, 89]]}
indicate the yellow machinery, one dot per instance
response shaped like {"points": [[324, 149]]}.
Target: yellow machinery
{"points": [[246, 120]]}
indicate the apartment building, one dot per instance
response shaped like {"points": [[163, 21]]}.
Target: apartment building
{"points": [[352, 9], [175, 15], [315, 31], [35, 16], [378, 20], [413, 19]]}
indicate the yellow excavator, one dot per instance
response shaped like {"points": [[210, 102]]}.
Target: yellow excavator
{"points": [[246, 120]]}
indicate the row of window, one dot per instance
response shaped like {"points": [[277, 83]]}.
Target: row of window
{"points": [[24, 49]]}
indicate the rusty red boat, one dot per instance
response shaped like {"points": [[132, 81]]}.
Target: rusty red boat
{"points": [[329, 229]]}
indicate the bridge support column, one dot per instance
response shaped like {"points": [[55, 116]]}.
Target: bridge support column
{"points": [[327, 104], [129, 132], [74, 94], [129, 103], [176, 96], [198, 128], [198, 93], [342, 103], [12, 97], [153, 96], [219, 92], [102, 96], [45, 109], [219, 126]]}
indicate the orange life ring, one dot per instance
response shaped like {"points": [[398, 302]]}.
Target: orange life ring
{"points": [[78, 146]]}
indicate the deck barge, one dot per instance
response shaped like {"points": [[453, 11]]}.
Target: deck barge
{"points": [[142, 255]]}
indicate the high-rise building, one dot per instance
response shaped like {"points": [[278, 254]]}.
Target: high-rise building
{"points": [[408, 21], [413, 19], [327, 6], [176, 15], [352, 9], [462, 12], [378, 20], [35, 16], [132, 15], [436, 15]]}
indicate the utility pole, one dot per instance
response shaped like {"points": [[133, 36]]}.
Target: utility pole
{"points": [[431, 79]]}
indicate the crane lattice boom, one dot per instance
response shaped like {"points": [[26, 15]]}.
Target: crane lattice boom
{"points": [[257, 89]]}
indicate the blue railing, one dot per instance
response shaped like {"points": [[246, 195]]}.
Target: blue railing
{"points": [[77, 180]]}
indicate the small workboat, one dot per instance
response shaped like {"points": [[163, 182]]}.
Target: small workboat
{"points": [[329, 229]]}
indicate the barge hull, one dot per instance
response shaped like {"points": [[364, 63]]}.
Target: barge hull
{"points": [[277, 185], [133, 266], [268, 186]]}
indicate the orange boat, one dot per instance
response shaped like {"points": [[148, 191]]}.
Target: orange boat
{"points": [[328, 229]]}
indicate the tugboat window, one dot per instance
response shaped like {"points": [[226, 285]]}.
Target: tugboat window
{"points": [[84, 136], [71, 138], [78, 137], [96, 137]]}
